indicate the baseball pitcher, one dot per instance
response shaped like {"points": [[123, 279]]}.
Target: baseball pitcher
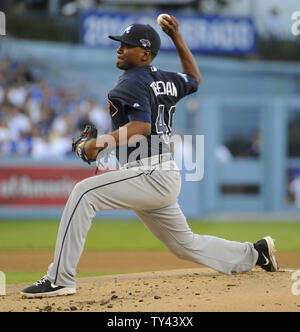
{"points": [[142, 107]]}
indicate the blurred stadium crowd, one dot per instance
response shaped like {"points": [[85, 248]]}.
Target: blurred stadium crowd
{"points": [[38, 118]]}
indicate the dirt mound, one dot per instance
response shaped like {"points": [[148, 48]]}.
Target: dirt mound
{"points": [[187, 290]]}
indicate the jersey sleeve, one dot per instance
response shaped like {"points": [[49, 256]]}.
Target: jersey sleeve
{"points": [[135, 101], [186, 84]]}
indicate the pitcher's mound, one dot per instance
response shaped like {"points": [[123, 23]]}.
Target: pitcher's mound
{"points": [[188, 290]]}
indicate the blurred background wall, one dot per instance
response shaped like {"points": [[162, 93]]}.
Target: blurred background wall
{"points": [[56, 67]]}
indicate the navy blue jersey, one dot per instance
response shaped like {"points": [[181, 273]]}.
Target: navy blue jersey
{"points": [[150, 95]]}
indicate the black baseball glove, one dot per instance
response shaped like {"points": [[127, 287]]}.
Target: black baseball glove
{"points": [[78, 144]]}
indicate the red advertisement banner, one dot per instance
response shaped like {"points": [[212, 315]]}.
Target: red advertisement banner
{"points": [[39, 186]]}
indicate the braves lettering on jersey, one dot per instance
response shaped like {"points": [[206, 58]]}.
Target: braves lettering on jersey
{"points": [[150, 95]]}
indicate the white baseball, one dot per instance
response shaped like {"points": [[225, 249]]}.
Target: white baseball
{"points": [[160, 18]]}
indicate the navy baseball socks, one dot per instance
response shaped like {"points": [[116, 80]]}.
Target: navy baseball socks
{"points": [[266, 258], [44, 288]]}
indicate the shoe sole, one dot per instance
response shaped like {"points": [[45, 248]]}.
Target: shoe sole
{"points": [[60, 292], [271, 251]]}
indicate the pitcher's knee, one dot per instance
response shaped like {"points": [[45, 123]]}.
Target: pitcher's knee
{"points": [[81, 187], [179, 252]]}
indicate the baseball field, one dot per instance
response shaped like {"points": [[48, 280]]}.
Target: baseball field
{"points": [[124, 268]]}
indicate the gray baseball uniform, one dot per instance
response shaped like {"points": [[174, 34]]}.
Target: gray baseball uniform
{"points": [[148, 180], [148, 184], [152, 192]]}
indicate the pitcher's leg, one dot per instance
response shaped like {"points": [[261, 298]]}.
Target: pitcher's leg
{"points": [[74, 225], [170, 226], [124, 189], [88, 197]]}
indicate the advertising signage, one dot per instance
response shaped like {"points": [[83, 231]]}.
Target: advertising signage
{"points": [[38, 186], [203, 34]]}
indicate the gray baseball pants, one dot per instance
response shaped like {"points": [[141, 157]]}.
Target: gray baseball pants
{"points": [[151, 191]]}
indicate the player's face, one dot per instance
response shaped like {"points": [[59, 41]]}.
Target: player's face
{"points": [[131, 56]]}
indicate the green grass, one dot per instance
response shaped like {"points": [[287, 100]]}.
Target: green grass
{"points": [[118, 235], [286, 234], [133, 235]]}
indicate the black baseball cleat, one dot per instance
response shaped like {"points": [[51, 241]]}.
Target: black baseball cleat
{"points": [[44, 288], [266, 257]]}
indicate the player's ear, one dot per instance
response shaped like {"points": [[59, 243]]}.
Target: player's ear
{"points": [[146, 56]]}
